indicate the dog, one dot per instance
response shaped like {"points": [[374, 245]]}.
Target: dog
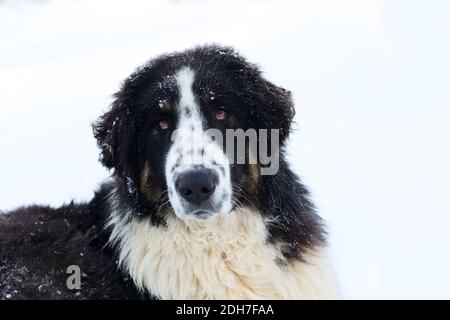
{"points": [[179, 218]]}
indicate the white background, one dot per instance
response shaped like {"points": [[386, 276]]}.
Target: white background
{"points": [[371, 82]]}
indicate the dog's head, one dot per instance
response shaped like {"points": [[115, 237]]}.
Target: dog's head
{"points": [[173, 133]]}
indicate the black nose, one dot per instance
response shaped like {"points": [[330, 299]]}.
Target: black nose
{"points": [[196, 186]]}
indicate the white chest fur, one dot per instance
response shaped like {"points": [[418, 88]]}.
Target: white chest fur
{"points": [[227, 257]]}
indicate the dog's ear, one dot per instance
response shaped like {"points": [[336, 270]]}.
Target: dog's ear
{"points": [[280, 105], [105, 131], [282, 100]]}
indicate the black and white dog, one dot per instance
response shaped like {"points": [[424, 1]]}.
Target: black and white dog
{"points": [[179, 218]]}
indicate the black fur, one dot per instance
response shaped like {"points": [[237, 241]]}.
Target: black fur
{"points": [[37, 244]]}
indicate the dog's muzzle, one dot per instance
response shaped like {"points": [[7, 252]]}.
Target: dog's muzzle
{"points": [[196, 187]]}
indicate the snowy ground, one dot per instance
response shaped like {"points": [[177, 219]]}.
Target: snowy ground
{"points": [[371, 80]]}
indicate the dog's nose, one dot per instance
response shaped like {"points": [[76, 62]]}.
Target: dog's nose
{"points": [[196, 186]]}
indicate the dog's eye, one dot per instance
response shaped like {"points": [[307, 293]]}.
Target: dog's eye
{"points": [[163, 124], [221, 114]]}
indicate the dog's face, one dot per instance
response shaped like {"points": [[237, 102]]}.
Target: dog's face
{"points": [[166, 134], [197, 171]]}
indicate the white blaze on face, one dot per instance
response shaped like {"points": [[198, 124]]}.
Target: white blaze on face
{"points": [[193, 149]]}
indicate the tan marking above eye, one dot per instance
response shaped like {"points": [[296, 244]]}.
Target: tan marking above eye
{"points": [[165, 106]]}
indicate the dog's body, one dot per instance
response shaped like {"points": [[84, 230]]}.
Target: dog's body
{"points": [[39, 244], [179, 220]]}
